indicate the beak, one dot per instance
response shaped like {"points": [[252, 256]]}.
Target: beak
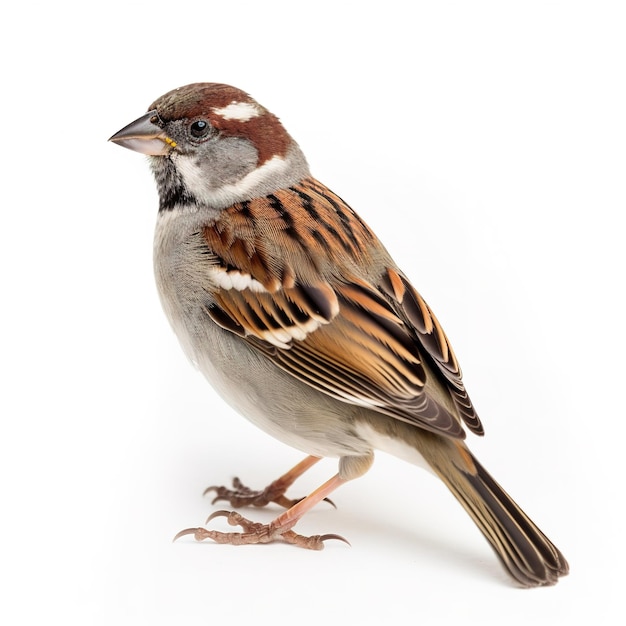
{"points": [[144, 136]]}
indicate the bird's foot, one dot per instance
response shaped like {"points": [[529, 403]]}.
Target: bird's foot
{"points": [[240, 495], [255, 532]]}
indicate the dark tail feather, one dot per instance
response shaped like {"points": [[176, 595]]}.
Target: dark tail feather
{"points": [[530, 557]]}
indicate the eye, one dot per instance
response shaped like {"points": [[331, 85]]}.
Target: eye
{"points": [[199, 129]]}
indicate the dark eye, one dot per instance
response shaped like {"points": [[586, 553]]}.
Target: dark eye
{"points": [[199, 129]]}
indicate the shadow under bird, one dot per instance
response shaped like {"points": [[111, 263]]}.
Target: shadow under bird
{"points": [[295, 312]]}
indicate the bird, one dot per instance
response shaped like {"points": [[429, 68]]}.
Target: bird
{"points": [[295, 312]]}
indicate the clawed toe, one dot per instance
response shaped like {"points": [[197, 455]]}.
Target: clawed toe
{"points": [[196, 532], [240, 495], [255, 532], [314, 542], [236, 519]]}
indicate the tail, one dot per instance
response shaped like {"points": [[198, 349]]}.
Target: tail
{"points": [[530, 557]]}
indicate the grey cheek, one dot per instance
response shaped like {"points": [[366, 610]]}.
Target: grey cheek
{"points": [[231, 159]]}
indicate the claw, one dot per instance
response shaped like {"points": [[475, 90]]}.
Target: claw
{"points": [[188, 531], [237, 486], [236, 495], [315, 542], [338, 537], [215, 514], [209, 489]]}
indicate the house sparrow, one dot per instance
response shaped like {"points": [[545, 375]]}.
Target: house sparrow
{"points": [[296, 313]]}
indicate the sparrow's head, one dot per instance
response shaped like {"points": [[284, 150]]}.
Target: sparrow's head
{"points": [[213, 145]]}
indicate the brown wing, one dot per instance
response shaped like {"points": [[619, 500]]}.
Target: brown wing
{"points": [[369, 342], [437, 347]]}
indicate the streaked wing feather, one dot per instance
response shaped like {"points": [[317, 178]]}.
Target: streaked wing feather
{"points": [[368, 344], [430, 334]]}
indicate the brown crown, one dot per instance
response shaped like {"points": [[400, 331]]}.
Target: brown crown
{"points": [[202, 100]]}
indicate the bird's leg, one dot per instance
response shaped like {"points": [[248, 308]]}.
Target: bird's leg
{"points": [[277, 530], [240, 495]]}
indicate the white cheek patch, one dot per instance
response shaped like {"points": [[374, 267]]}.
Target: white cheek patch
{"points": [[192, 174], [199, 184], [240, 111]]}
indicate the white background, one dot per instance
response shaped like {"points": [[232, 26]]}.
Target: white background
{"points": [[485, 142]]}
